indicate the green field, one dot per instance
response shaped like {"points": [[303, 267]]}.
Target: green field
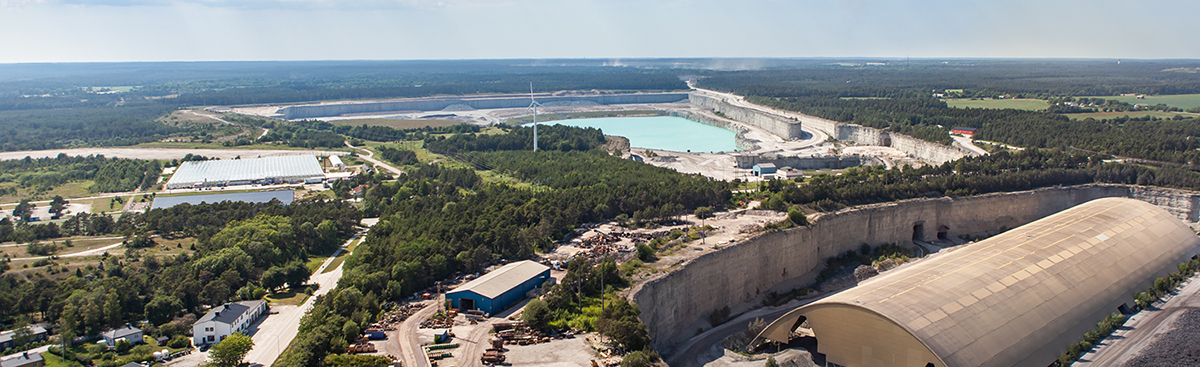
{"points": [[997, 104], [396, 123], [1112, 115], [1184, 101]]}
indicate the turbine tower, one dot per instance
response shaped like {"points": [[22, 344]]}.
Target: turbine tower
{"points": [[533, 105]]}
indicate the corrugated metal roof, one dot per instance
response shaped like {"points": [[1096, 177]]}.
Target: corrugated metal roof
{"points": [[291, 166], [1018, 298], [496, 282]]}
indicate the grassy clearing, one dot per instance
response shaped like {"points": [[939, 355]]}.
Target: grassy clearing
{"points": [[1112, 115], [104, 205], [1016, 104], [291, 297], [1184, 101], [396, 123], [337, 261]]}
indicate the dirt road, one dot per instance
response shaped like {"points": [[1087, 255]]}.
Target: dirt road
{"points": [[370, 157], [406, 335], [967, 143], [1142, 329]]}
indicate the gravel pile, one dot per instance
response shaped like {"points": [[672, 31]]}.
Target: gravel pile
{"points": [[1179, 347]]}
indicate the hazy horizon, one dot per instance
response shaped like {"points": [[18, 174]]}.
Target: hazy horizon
{"points": [[303, 30]]}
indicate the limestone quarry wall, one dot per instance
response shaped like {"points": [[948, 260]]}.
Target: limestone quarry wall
{"points": [[736, 274], [438, 104], [739, 140], [789, 127], [778, 125]]}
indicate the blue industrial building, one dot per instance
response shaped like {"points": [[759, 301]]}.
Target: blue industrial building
{"points": [[763, 169], [500, 288]]}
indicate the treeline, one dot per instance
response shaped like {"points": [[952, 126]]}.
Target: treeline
{"points": [[1041, 79], [550, 137], [462, 83], [250, 249], [34, 176], [384, 133], [401, 157], [999, 172], [71, 127]]}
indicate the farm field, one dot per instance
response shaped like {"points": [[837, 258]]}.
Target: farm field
{"points": [[1184, 101], [1111, 115], [396, 123], [1018, 104]]}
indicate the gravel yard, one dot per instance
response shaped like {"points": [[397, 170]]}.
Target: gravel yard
{"points": [[1179, 347]]}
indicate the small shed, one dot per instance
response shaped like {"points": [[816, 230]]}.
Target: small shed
{"points": [[787, 173], [763, 169], [500, 288]]}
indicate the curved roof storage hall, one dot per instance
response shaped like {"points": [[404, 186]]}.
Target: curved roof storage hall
{"points": [[1016, 299], [290, 169]]}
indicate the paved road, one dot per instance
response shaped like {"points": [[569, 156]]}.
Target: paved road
{"points": [[370, 157], [277, 330], [1142, 329]]}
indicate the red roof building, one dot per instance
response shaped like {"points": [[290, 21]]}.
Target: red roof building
{"points": [[964, 131]]}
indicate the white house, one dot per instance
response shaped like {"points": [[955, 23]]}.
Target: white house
{"points": [[130, 333], [787, 173], [226, 319]]}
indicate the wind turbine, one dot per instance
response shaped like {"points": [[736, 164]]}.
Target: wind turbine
{"points": [[533, 105]]}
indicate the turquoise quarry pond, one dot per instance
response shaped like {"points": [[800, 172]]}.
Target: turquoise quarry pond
{"points": [[661, 132]]}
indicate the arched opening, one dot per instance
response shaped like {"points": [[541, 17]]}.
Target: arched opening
{"points": [[942, 232], [918, 231]]}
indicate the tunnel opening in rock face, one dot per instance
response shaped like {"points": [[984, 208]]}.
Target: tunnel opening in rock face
{"points": [[942, 233], [918, 231]]}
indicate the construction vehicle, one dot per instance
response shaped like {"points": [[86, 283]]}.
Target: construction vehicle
{"points": [[492, 356]]}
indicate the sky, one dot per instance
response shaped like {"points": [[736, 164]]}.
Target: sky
{"points": [[215, 30]]}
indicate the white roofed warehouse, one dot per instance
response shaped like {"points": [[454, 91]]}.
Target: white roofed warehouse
{"points": [[500, 288], [1020, 298], [282, 169]]}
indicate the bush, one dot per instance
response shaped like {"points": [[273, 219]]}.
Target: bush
{"points": [[645, 253], [536, 314], [180, 341], [797, 217], [641, 358], [123, 346], [719, 316]]}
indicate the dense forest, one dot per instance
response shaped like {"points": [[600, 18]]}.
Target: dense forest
{"points": [[34, 176], [901, 99], [244, 250], [80, 126], [438, 221]]}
